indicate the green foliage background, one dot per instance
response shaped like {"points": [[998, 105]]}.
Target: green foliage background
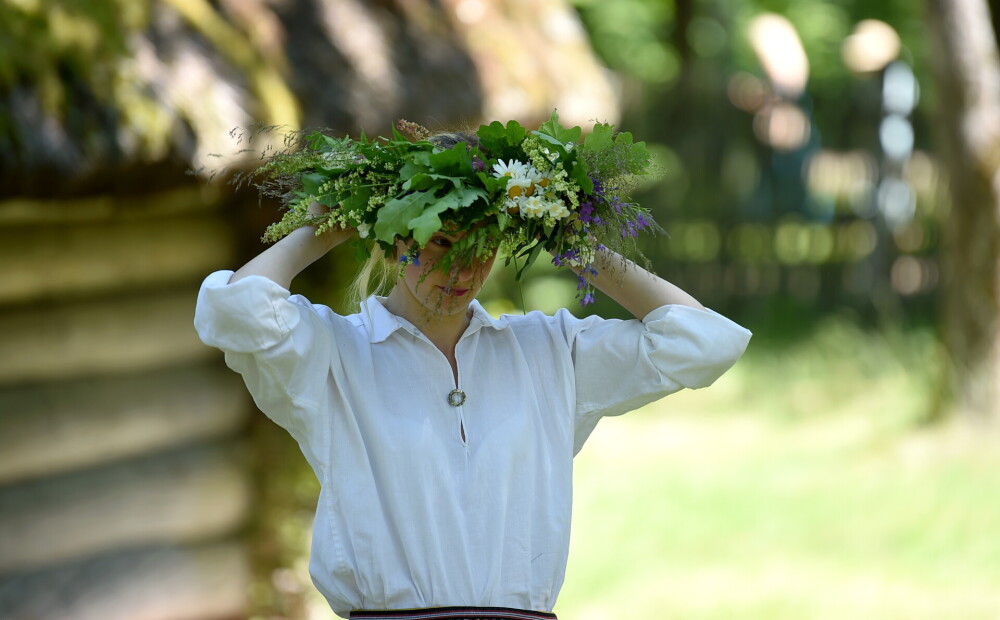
{"points": [[676, 59]]}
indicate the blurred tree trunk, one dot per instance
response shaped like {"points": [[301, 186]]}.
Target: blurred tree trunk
{"points": [[967, 70]]}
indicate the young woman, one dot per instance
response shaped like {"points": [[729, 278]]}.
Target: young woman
{"points": [[444, 438]]}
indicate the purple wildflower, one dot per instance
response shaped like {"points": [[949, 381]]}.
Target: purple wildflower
{"points": [[566, 258], [478, 165], [616, 204], [587, 299], [581, 283], [587, 214]]}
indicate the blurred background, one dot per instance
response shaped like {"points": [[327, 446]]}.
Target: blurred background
{"points": [[831, 181]]}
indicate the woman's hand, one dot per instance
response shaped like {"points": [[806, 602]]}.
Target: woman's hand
{"points": [[285, 259], [635, 289]]}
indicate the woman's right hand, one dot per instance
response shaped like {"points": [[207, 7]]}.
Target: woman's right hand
{"points": [[286, 258]]}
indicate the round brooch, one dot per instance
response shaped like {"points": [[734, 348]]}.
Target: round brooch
{"points": [[456, 398]]}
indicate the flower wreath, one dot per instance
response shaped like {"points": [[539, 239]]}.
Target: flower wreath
{"points": [[515, 190]]}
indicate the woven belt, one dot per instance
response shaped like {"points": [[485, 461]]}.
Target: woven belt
{"points": [[455, 613]]}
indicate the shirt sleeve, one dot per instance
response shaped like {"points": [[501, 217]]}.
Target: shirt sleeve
{"points": [[281, 344], [622, 365]]}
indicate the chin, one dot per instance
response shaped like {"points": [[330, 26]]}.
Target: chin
{"points": [[447, 305]]}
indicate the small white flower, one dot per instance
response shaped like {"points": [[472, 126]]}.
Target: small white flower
{"points": [[533, 174], [533, 207], [512, 168], [363, 229], [557, 209]]}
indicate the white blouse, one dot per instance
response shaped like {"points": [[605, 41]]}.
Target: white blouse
{"points": [[426, 504]]}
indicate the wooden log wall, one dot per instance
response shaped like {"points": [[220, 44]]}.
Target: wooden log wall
{"points": [[124, 473]]}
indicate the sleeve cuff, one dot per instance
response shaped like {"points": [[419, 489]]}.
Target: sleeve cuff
{"points": [[249, 315], [694, 346]]}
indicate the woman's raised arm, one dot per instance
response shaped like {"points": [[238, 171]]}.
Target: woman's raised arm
{"points": [[284, 260], [635, 289]]}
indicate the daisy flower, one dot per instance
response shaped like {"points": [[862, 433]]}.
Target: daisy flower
{"points": [[511, 206], [519, 186], [512, 168]]}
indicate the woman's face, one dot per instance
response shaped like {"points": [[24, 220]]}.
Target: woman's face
{"points": [[444, 292]]}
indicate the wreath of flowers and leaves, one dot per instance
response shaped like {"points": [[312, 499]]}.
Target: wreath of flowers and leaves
{"points": [[517, 190]]}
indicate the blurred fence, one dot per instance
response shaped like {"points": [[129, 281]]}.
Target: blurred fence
{"points": [[851, 254], [123, 478]]}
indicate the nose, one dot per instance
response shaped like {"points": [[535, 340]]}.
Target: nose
{"points": [[463, 271]]}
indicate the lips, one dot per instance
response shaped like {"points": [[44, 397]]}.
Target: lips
{"points": [[454, 292]]}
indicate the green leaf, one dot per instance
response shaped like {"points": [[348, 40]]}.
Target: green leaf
{"points": [[624, 138], [360, 249], [419, 157], [555, 144], [639, 158], [424, 180], [492, 137], [394, 217], [319, 141], [429, 221], [411, 169], [532, 255], [455, 161], [515, 133], [579, 173], [311, 183], [356, 200], [490, 184], [468, 195], [552, 128], [600, 137]]}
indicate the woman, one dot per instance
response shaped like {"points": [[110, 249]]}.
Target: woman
{"points": [[444, 438]]}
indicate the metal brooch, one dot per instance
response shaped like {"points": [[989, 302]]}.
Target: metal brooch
{"points": [[456, 398]]}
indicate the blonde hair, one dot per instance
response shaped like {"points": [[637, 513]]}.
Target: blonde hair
{"points": [[377, 276]]}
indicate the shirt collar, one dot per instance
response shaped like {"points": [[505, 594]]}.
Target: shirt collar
{"points": [[381, 323]]}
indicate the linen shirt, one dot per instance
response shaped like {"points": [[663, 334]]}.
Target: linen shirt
{"points": [[425, 504]]}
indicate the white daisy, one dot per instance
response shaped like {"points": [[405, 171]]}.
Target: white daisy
{"points": [[538, 179], [512, 168], [518, 186]]}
